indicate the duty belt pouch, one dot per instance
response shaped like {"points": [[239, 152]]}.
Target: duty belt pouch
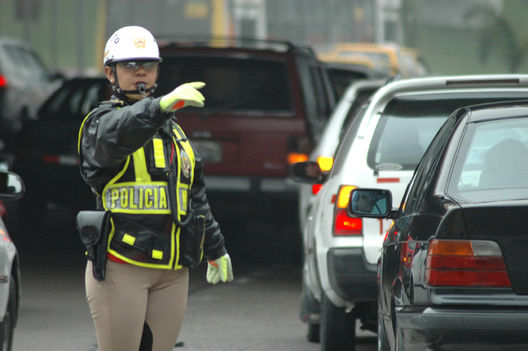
{"points": [[141, 239], [93, 228]]}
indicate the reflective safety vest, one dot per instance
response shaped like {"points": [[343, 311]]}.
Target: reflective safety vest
{"points": [[143, 231]]}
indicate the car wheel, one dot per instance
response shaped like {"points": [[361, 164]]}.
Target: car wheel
{"points": [[337, 329], [7, 325], [398, 336], [310, 313], [383, 344], [313, 334]]}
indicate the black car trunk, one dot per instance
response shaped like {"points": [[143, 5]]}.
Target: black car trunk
{"points": [[508, 226]]}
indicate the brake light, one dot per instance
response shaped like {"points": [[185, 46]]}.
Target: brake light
{"points": [[299, 147], [475, 263], [316, 188], [3, 81], [345, 225], [325, 163], [294, 157]]}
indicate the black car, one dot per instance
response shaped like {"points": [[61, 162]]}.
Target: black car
{"points": [[453, 272], [46, 148]]}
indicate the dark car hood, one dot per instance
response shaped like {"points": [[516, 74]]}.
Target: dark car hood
{"points": [[504, 223]]}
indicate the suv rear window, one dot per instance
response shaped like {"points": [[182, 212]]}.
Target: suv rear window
{"points": [[409, 123], [233, 84], [25, 63]]}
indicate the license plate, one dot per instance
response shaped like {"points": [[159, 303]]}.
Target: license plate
{"points": [[210, 151]]}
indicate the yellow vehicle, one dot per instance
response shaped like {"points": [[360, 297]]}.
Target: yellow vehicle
{"points": [[344, 70], [390, 58]]}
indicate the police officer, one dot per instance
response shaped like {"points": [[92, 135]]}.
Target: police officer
{"points": [[144, 170]]}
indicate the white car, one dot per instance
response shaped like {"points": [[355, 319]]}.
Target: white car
{"points": [[11, 187], [346, 109], [381, 149]]}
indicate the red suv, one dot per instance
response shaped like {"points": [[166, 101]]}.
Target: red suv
{"points": [[266, 105]]}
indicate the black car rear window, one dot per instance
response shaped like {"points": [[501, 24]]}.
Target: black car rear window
{"points": [[492, 164], [409, 123], [232, 84], [74, 99]]}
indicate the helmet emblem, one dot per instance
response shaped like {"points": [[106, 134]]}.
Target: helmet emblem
{"points": [[140, 43]]}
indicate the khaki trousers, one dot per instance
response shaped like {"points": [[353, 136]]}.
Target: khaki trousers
{"points": [[131, 296]]}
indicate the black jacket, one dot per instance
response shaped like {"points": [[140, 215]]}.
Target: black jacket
{"points": [[114, 130]]}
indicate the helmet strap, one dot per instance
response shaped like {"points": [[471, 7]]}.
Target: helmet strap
{"points": [[143, 90]]}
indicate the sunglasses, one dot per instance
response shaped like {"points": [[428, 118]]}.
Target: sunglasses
{"points": [[134, 65]]}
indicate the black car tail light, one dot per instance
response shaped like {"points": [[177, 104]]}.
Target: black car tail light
{"points": [[3, 81], [344, 225], [467, 263]]}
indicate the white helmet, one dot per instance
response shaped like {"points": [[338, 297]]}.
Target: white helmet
{"points": [[131, 43]]}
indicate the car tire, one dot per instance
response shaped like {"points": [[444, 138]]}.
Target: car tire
{"points": [[7, 325], [313, 334], [398, 335], [383, 344], [310, 308], [337, 329]]}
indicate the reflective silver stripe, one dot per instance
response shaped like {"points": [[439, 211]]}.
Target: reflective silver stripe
{"points": [[132, 197]]}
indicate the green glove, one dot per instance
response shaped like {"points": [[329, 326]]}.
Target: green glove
{"points": [[219, 270], [184, 95]]}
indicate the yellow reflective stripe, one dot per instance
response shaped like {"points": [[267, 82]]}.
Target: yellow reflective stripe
{"points": [[128, 239], [80, 133], [182, 190], [112, 181], [183, 196], [157, 254], [140, 166], [175, 232], [188, 149], [159, 154]]}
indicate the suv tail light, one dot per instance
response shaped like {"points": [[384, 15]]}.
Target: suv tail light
{"points": [[299, 147], [3, 81], [345, 225], [325, 163], [466, 263], [294, 157]]}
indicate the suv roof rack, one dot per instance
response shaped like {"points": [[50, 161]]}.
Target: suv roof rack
{"points": [[233, 42]]}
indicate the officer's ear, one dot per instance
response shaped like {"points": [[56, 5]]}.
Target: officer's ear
{"points": [[109, 73]]}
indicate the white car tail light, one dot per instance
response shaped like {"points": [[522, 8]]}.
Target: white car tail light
{"points": [[344, 225]]}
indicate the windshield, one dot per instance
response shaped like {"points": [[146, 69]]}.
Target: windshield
{"points": [[409, 123], [493, 162], [232, 83]]}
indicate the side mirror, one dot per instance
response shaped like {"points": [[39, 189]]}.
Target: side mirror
{"points": [[307, 172], [11, 186], [373, 203]]}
